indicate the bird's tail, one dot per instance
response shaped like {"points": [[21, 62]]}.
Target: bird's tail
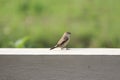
{"points": [[53, 47]]}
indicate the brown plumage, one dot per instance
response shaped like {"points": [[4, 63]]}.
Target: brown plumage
{"points": [[63, 41]]}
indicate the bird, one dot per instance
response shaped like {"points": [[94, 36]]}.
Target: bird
{"points": [[64, 40]]}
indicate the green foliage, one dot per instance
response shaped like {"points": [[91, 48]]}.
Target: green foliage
{"points": [[21, 42], [93, 23]]}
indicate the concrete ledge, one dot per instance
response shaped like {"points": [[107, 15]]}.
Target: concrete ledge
{"points": [[72, 51], [59, 67]]}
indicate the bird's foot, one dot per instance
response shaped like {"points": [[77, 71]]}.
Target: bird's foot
{"points": [[67, 48]]}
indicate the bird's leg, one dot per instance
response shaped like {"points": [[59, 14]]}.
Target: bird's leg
{"points": [[67, 48], [62, 48]]}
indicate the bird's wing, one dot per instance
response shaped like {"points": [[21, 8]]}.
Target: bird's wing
{"points": [[62, 41]]}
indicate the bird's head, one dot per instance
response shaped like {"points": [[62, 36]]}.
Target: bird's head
{"points": [[68, 32]]}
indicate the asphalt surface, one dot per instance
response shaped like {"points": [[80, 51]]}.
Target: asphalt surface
{"points": [[59, 67]]}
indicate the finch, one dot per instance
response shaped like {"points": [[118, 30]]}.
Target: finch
{"points": [[64, 40]]}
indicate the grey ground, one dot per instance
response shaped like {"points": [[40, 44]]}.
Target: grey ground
{"points": [[59, 67]]}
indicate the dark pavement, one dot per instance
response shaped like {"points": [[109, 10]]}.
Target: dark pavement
{"points": [[59, 67]]}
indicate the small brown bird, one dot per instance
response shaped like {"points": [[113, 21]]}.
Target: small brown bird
{"points": [[63, 41]]}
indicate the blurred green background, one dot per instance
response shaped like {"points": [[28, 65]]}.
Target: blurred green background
{"points": [[40, 23]]}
